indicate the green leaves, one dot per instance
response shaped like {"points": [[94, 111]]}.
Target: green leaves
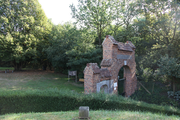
{"points": [[94, 14], [61, 39], [70, 48], [169, 67], [23, 27]]}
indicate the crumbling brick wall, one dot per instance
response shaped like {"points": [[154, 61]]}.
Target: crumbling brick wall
{"points": [[91, 77], [115, 56]]}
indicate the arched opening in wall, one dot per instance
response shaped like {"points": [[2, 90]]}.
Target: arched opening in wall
{"points": [[121, 81], [124, 75], [104, 89]]}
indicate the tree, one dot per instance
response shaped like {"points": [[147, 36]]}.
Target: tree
{"points": [[162, 21], [71, 48], [124, 14], [83, 52], [94, 14], [61, 39], [169, 67], [23, 26], [157, 31]]}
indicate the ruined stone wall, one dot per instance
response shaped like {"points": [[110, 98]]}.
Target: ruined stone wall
{"points": [[129, 69], [91, 77], [88, 81], [114, 55], [107, 49]]}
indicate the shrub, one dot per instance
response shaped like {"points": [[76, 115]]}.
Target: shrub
{"points": [[65, 100], [155, 98]]}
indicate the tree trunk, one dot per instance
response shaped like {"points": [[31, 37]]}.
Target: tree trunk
{"points": [[171, 84], [174, 86], [99, 36], [153, 88], [17, 66]]}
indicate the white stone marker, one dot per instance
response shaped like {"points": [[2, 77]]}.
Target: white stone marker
{"points": [[115, 85]]}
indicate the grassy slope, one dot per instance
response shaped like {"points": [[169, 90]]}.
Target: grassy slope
{"points": [[41, 80], [94, 115], [32, 80]]}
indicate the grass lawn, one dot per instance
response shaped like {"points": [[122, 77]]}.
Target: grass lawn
{"points": [[32, 80], [42, 80], [94, 115], [5, 68]]}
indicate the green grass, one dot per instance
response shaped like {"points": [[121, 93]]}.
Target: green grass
{"points": [[94, 115], [36, 80], [52, 100], [43, 80], [5, 68]]}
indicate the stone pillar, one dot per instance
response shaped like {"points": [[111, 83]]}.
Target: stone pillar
{"points": [[91, 77]]}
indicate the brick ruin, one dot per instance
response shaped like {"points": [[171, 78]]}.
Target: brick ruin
{"points": [[115, 56]]}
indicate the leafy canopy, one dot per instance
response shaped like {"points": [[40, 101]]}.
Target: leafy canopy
{"points": [[23, 26]]}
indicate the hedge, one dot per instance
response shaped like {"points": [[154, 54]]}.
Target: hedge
{"points": [[65, 100]]}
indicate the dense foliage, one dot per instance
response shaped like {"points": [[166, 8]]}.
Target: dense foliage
{"points": [[71, 49], [24, 28], [170, 68], [65, 100], [154, 98], [28, 38]]}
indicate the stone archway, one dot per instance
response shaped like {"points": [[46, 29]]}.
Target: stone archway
{"points": [[125, 82], [104, 89], [115, 56], [121, 82], [106, 85]]}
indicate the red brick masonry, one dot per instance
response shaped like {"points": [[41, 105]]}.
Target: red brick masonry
{"points": [[115, 56]]}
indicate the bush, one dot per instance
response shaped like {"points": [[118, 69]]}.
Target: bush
{"points": [[64, 100], [155, 98]]}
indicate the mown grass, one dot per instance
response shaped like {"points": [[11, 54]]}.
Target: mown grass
{"points": [[5, 68], [94, 115], [43, 80], [36, 80]]}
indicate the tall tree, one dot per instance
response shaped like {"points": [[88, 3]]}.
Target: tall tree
{"points": [[170, 67], [61, 39], [83, 52], [94, 14], [124, 14], [23, 25], [158, 27]]}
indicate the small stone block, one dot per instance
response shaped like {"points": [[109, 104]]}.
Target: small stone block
{"points": [[83, 112]]}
